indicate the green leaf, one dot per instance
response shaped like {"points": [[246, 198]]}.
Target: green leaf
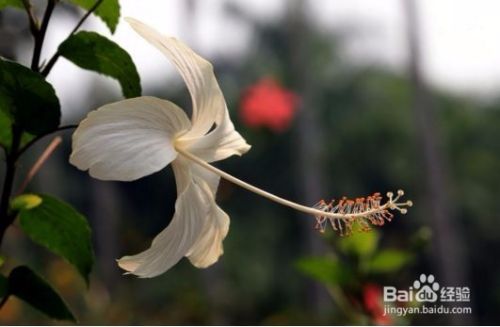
{"points": [[31, 288], [27, 99], [389, 261], [11, 3], [92, 51], [361, 244], [326, 270], [60, 228], [108, 11]]}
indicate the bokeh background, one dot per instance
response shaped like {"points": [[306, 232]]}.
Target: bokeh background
{"points": [[337, 97]]}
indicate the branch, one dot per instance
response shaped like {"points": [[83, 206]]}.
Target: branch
{"points": [[52, 61]]}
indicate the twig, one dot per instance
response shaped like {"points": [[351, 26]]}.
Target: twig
{"points": [[39, 163], [34, 28], [40, 35], [84, 18], [36, 139], [50, 64], [4, 300]]}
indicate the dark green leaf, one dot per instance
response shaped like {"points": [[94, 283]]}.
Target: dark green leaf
{"points": [[92, 51], [389, 261], [28, 99], [326, 270], [108, 11], [31, 288], [59, 227], [11, 3]]}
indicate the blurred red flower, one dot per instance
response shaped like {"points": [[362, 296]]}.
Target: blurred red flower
{"points": [[267, 103], [372, 299]]}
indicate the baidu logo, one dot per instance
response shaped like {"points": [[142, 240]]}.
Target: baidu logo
{"points": [[426, 289], [426, 296]]}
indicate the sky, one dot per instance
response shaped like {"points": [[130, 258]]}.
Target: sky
{"points": [[460, 39]]}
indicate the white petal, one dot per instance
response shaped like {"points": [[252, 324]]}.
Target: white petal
{"points": [[198, 74], [208, 248], [129, 139], [219, 144], [175, 241]]}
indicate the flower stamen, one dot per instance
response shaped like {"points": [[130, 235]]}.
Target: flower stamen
{"points": [[363, 211]]}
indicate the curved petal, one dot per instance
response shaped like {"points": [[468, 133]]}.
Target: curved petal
{"points": [[129, 139], [208, 100], [219, 144], [182, 233], [208, 248]]}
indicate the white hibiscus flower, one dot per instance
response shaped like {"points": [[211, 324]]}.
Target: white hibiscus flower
{"points": [[133, 138]]}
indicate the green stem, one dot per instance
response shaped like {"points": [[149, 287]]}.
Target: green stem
{"points": [[6, 218]]}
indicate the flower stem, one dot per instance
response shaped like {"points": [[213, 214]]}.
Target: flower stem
{"points": [[277, 199]]}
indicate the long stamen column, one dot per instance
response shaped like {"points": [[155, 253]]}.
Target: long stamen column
{"points": [[340, 216]]}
